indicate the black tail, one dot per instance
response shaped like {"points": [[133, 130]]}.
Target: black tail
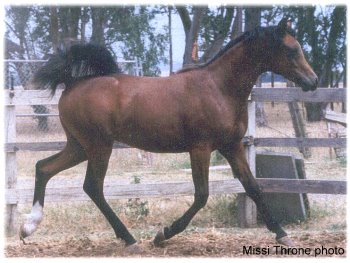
{"points": [[79, 62]]}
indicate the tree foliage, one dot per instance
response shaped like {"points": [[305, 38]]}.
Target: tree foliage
{"points": [[131, 31], [128, 31]]}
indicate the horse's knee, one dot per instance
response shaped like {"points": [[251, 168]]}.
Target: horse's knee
{"points": [[38, 167], [40, 172]]}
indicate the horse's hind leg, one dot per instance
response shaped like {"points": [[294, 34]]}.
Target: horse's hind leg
{"points": [[70, 156], [98, 159], [237, 160], [200, 158]]}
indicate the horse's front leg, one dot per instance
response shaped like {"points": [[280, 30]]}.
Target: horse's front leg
{"points": [[235, 155], [200, 158]]}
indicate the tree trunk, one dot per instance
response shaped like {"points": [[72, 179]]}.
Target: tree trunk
{"points": [[314, 111], [252, 17], [217, 44], [343, 105], [54, 32], [69, 24], [170, 41], [84, 21], [191, 28], [306, 17], [73, 19], [237, 28], [98, 26]]}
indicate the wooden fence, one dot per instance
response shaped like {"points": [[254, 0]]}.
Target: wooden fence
{"points": [[14, 196]]}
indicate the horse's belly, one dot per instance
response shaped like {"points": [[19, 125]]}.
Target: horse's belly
{"points": [[156, 140]]}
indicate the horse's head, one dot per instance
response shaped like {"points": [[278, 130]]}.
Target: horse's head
{"points": [[288, 59]]}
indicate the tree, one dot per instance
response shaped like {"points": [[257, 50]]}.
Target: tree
{"points": [[126, 30], [54, 30], [131, 27], [191, 29], [210, 27], [69, 17], [99, 21], [84, 20], [216, 28], [170, 40], [18, 19], [237, 27], [252, 17]]}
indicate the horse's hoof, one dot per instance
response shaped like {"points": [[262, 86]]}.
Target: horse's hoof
{"points": [[134, 249], [22, 234], [159, 239], [286, 241]]}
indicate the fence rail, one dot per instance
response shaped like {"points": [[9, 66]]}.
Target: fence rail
{"points": [[258, 142], [296, 94], [124, 191], [14, 195], [300, 142]]}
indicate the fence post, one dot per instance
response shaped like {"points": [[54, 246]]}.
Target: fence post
{"points": [[247, 213], [11, 167]]}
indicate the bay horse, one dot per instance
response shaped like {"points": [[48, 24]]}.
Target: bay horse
{"points": [[198, 110]]}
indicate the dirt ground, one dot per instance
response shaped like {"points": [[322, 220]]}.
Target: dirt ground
{"points": [[206, 243]]}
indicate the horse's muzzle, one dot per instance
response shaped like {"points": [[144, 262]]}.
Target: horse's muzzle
{"points": [[309, 84]]}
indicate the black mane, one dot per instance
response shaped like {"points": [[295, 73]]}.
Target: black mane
{"points": [[248, 36]]}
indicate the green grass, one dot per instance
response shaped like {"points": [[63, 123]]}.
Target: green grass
{"points": [[220, 211]]}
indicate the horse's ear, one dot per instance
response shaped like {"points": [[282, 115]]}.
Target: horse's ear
{"points": [[284, 25]]}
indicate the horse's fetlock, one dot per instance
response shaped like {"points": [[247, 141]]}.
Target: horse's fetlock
{"points": [[32, 220]]}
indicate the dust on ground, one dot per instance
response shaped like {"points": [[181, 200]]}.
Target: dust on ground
{"points": [[197, 243]]}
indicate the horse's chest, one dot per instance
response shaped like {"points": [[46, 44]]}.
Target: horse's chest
{"points": [[234, 129], [232, 126]]}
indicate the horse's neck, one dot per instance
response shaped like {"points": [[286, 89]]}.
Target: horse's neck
{"points": [[235, 73]]}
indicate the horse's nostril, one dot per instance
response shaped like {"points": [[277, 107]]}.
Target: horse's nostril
{"points": [[316, 81]]}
